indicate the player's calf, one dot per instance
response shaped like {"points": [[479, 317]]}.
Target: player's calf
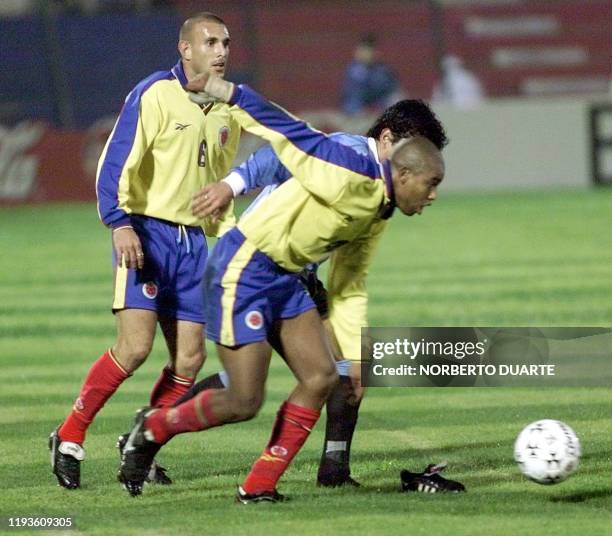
{"points": [[243, 408], [342, 413]]}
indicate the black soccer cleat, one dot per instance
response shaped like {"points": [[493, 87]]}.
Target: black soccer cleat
{"points": [[430, 481], [334, 471], [338, 482], [66, 458], [138, 455], [157, 473], [242, 497]]}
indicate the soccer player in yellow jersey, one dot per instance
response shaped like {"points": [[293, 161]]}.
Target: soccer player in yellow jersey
{"points": [[337, 202], [404, 119], [163, 149]]}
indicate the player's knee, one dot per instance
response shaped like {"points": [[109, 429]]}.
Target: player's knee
{"points": [[321, 383], [189, 363], [245, 408], [131, 353]]}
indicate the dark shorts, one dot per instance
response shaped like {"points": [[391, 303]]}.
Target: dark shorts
{"points": [[246, 291], [170, 282]]}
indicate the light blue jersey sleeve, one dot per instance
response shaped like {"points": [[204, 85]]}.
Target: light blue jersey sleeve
{"points": [[262, 168]]}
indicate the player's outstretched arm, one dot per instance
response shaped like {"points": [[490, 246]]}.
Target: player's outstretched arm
{"points": [[322, 165]]}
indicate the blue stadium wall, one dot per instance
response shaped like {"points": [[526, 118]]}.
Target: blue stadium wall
{"points": [[100, 58]]}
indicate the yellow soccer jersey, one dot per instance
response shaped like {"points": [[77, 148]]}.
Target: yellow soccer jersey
{"points": [[337, 202], [335, 196], [347, 292], [162, 150]]}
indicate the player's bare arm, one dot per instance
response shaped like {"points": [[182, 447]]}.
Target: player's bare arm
{"points": [[127, 247]]}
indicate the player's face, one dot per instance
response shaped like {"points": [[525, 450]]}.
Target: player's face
{"points": [[209, 48], [415, 191]]}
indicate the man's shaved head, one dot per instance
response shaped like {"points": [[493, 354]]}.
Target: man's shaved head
{"points": [[204, 45], [186, 31], [414, 154], [417, 169]]}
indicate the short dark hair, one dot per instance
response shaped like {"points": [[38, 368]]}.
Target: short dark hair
{"points": [[188, 25], [410, 117]]}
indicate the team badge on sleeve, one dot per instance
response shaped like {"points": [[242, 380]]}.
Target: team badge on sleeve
{"points": [[254, 320], [224, 133], [150, 290]]}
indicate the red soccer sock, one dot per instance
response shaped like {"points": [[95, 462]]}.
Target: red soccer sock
{"points": [[291, 429], [103, 379], [190, 416], [169, 388]]}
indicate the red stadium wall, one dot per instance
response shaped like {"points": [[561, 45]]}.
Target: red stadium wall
{"points": [[39, 164], [299, 49], [510, 47]]}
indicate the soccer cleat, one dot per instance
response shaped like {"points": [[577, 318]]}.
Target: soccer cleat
{"points": [[430, 481], [334, 471], [273, 496], [66, 458], [137, 456], [337, 482], [157, 473]]}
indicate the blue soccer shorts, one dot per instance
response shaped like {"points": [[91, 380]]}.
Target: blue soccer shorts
{"points": [[246, 292], [170, 282]]}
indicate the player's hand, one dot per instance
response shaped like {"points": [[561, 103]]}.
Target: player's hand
{"points": [[195, 88], [198, 83], [128, 248], [209, 88], [212, 200]]}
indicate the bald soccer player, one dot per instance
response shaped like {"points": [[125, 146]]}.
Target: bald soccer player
{"points": [[404, 119], [163, 149]]}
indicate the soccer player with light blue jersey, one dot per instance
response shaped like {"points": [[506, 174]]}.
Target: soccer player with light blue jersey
{"points": [[337, 202], [163, 149]]}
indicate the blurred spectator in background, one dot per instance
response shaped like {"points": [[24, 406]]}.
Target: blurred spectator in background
{"points": [[459, 86], [368, 83]]}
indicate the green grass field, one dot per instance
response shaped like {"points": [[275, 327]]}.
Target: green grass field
{"points": [[539, 258]]}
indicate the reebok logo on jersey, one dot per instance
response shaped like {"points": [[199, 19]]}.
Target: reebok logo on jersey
{"points": [[181, 126], [254, 320]]}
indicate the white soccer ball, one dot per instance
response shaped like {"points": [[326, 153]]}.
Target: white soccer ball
{"points": [[547, 451]]}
